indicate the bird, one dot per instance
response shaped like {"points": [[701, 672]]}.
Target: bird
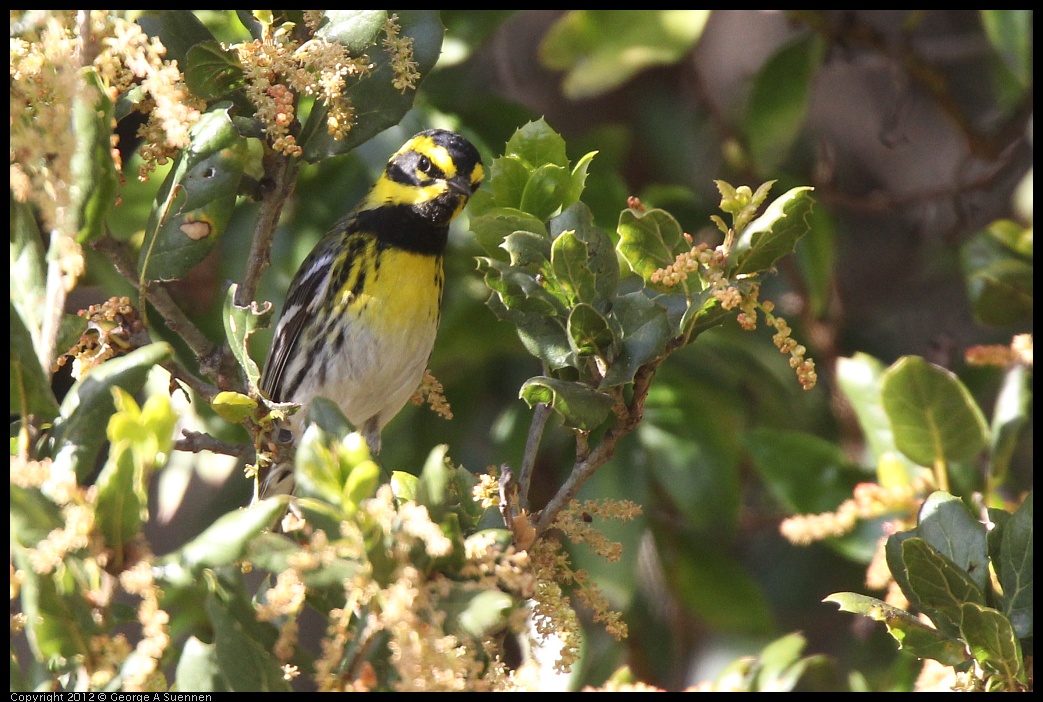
{"points": [[361, 314]]}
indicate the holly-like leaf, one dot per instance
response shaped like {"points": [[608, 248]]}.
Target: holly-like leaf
{"points": [[1015, 569], [649, 241], [772, 235], [212, 71], [992, 642], [580, 406], [911, 634]]}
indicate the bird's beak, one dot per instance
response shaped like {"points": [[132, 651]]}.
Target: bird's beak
{"points": [[461, 185]]}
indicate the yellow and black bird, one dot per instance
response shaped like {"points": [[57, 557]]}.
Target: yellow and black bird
{"points": [[361, 313]]}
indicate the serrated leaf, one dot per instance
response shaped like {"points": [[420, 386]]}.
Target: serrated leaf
{"points": [[535, 144], [645, 333], [598, 253], [1015, 569], [195, 202], [911, 634], [545, 190], [938, 587], [571, 271], [578, 179], [76, 439], [380, 103], [590, 333], [772, 235], [528, 250], [212, 71], [240, 323], [580, 406], [508, 176], [493, 227], [993, 644], [649, 241], [933, 415]]}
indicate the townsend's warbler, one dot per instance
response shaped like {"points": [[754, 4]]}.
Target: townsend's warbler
{"points": [[361, 313]]}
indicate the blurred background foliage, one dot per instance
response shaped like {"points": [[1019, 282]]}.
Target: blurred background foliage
{"points": [[914, 128]]}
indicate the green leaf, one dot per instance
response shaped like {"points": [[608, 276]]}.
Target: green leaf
{"points": [[212, 71], [645, 333], [581, 406], [711, 585], [58, 620], [602, 49], [198, 668], [936, 586], [536, 144], [997, 264], [381, 104], [1014, 569], [179, 30], [240, 324], [94, 181], [30, 388], [590, 333], [649, 241], [779, 101], [233, 407], [245, 663], [195, 202], [859, 378], [949, 528], [544, 192], [772, 235], [994, 645], [912, 635], [528, 250], [76, 437], [1010, 33], [33, 516], [933, 415], [593, 245], [121, 510], [509, 175], [571, 271], [493, 227], [225, 541], [1009, 417]]}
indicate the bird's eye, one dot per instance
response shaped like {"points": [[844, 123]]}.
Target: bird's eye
{"points": [[424, 165]]}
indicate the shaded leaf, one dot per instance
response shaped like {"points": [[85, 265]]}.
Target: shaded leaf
{"points": [[933, 415], [911, 634], [949, 528], [240, 324], [195, 202], [1015, 569], [581, 406], [993, 644]]}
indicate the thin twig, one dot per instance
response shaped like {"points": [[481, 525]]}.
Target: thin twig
{"points": [[280, 177], [160, 298], [194, 442], [540, 415], [629, 418]]}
